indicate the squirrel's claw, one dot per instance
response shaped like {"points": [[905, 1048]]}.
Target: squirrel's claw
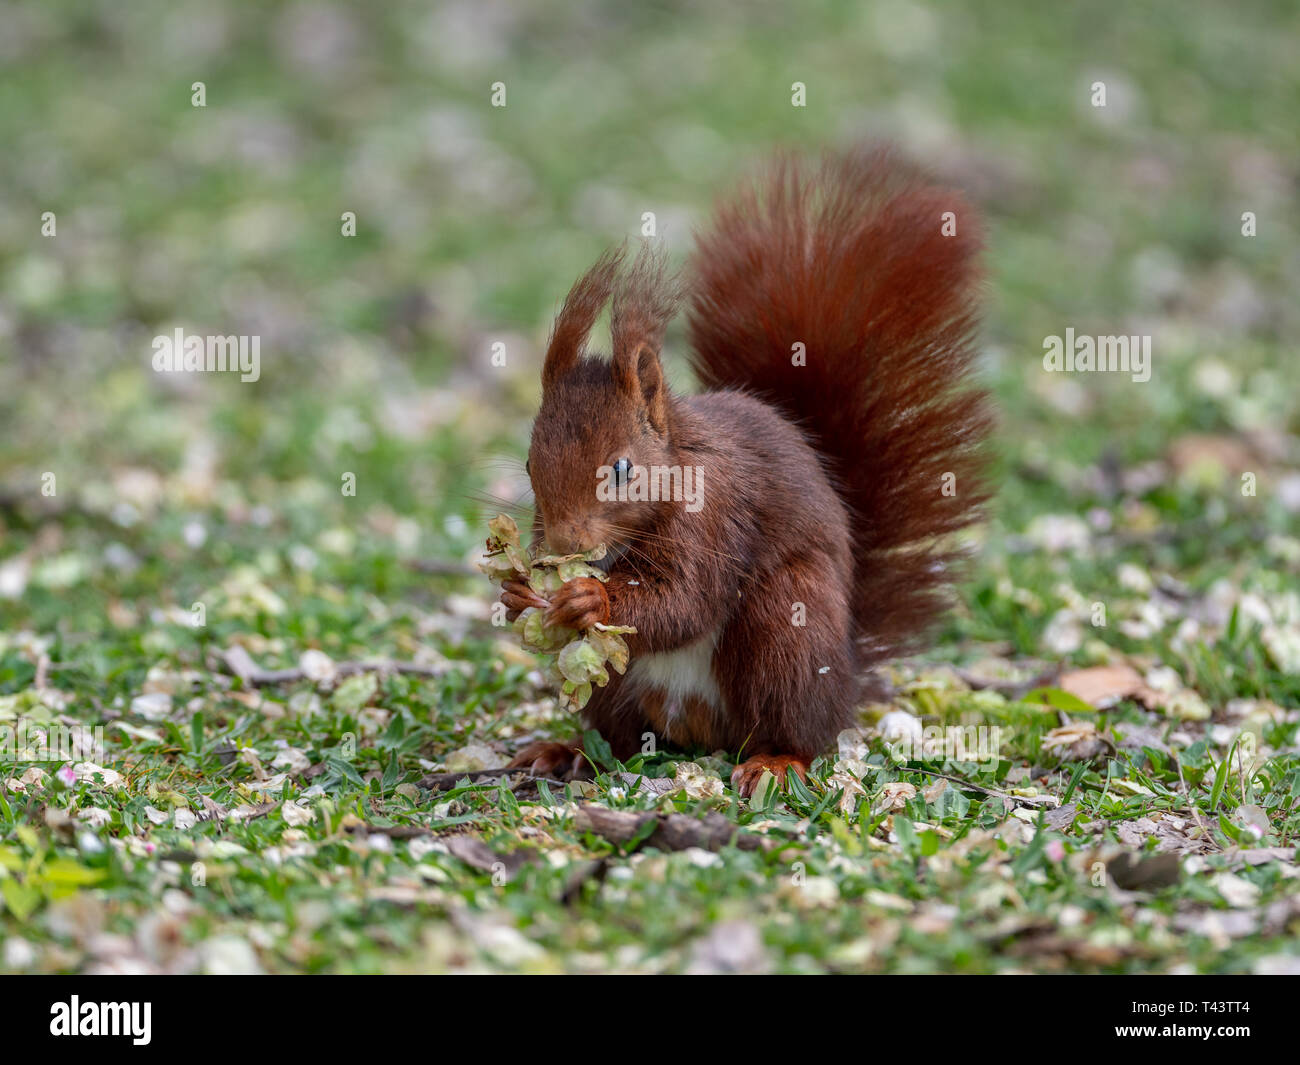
{"points": [[518, 597]]}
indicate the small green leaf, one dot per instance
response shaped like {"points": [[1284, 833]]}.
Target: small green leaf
{"points": [[906, 833], [345, 770], [1233, 832], [21, 900], [598, 750], [1058, 699], [1075, 777], [765, 792], [64, 871], [797, 788], [1220, 779], [1032, 855]]}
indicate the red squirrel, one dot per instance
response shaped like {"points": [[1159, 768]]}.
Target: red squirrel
{"points": [[838, 439]]}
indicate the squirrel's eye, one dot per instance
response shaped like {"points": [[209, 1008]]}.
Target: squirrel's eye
{"points": [[528, 467], [622, 470]]}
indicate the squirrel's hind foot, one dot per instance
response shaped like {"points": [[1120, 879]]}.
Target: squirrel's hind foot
{"points": [[550, 758], [745, 777]]}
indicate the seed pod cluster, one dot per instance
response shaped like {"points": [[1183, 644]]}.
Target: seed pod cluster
{"points": [[581, 658]]}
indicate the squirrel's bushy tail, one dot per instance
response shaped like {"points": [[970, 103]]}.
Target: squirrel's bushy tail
{"points": [[851, 260]]}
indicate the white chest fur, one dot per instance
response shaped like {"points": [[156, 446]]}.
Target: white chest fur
{"points": [[684, 673]]}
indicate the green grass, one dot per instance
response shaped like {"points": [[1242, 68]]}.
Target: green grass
{"points": [[472, 222]]}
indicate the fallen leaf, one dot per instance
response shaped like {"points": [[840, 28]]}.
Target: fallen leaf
{"points": [[895, 795], [1237, 891], [1103, 686], [1079, 741]]}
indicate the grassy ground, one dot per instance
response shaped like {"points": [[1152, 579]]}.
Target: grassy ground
{"points": [[293, 826]]}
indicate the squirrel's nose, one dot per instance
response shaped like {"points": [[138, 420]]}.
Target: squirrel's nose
{"points": [[566, 537]]}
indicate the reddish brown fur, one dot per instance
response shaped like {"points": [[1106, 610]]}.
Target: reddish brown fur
{"points": [[807, 469], [849, 258]]}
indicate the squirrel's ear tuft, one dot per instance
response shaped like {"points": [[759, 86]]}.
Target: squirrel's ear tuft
{"points": [[644, 302], [581, 308], [640, 377]]}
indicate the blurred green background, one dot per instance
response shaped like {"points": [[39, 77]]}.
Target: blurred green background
{"points": [[473, 221]]}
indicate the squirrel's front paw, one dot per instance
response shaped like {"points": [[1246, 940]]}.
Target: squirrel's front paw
{"points": [[518, 596], [579, 604]]}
